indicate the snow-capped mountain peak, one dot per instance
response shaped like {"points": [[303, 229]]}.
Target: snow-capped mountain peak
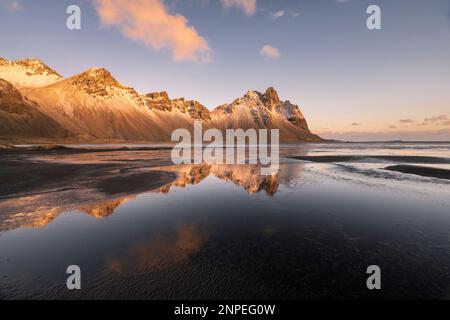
{"points": [[98, 77], [28, 73], [270, 98], [99, 82], [264, 110]]}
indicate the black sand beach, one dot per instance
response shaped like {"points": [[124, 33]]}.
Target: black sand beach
{"points": [[21, 174], [421, 171], [142, 228], [373, 158]]}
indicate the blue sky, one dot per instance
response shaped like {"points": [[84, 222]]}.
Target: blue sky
{"points": [[349, 81]]}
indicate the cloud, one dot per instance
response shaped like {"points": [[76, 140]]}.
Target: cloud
{"points": [[247, 6], [270, 52], [355, 124], [277, 15], [151, 23], [437, 119], [406, 121], [442, 120], [392, 127], [12, 6], [280, 13]]}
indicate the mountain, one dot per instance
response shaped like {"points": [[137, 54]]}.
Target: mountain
{"points": [[264, 111], [93, 106], [21, 118], [27, 73], [160, 101]]}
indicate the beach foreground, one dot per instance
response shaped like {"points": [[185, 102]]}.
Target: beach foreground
{"points": [[140, 227]]}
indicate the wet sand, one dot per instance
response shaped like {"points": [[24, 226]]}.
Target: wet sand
{"points": [[134, 183], [421, 171], [221, 232], [22, 174], [40, 183], [362, 158]]}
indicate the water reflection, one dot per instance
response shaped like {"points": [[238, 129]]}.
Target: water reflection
{"points": [[105, 209], [164, 249], [247, 177], [37, 211]]}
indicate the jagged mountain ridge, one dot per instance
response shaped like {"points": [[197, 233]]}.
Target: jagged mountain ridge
{"points": [[94, 107], [161, 101], [264, 111]]}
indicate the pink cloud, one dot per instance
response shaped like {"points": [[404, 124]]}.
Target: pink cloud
{"points": [[247, 6], [151, 23], [270, 52], [12, 6]]}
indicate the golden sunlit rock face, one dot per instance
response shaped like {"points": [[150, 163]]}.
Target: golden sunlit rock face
{"points": [[258, 110], [161, 101], [100, 82]]}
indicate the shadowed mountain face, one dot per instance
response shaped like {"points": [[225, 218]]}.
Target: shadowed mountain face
{"points": [[22, 118], [95, 107]]}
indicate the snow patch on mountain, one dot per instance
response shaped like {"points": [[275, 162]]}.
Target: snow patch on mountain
{"points": [[28, 73]]}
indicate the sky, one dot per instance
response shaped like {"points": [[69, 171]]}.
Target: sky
{"points": [[350, 82]]}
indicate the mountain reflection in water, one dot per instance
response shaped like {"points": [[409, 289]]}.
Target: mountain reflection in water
{"points": [[43, 210], [169, 248], [245, 176]]}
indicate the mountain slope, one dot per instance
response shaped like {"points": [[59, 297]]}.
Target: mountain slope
{"points": [[21, 118], [93, 105]]}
